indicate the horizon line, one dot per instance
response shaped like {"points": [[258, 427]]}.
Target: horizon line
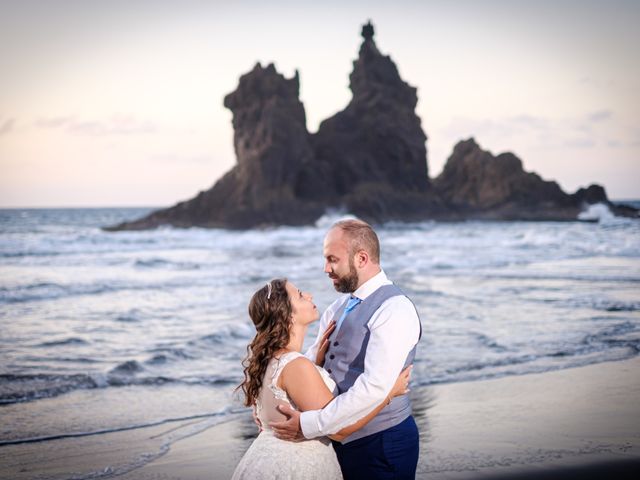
{"points": [[102, 207]]}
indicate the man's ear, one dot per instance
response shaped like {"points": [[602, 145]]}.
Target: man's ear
{"points": [[362, 258]]}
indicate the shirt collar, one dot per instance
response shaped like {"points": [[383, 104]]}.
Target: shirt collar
{"points": [[371, 285]]}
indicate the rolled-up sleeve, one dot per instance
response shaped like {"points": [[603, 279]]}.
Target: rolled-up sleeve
{"points": [[394, 331]]}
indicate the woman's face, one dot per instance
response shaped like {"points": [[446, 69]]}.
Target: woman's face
{"points": [[304, 310]]}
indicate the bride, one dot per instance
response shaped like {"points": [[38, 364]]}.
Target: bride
{"points": [[277, 373]]}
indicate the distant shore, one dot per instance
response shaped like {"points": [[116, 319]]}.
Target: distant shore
{"points": [[581, 422]]}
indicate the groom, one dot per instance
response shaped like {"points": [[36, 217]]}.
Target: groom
{"points": [[377, 329]]}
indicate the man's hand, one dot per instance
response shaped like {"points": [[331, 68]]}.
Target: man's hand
{"points": [[290, 428]]}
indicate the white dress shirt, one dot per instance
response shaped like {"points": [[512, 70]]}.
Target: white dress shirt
{"points": [[395, 330]]}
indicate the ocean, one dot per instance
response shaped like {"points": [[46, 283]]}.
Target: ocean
{"points": [[107, 332]]}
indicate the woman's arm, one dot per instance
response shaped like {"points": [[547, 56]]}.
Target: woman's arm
{"points": [[304, 384], [323, 343]]}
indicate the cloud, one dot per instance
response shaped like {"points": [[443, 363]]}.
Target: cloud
{"points": [[531, 122], [53, 122], [615, 143], [573, 132], [115, 125], [462, 127], [596, 83], [584, 142], [599, 116], [7, 126]]}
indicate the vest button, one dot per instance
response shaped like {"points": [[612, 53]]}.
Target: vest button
{"points": [[332, 357], [328, 370], [335, 344]]}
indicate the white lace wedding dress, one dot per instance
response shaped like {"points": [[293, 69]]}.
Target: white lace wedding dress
{"points": [[268, 457]]}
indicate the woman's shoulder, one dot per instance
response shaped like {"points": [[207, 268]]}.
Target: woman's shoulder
{"points": [[287, 357], [297, 364], [282, 361], [301, 373]]}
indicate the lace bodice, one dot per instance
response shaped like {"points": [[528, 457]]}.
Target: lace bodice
{"points": [[270, 458], [271, 395]]}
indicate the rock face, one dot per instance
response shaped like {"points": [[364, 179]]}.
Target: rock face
{"points": [[273, 151], [370, 159], [375, 147], [476, 184]]}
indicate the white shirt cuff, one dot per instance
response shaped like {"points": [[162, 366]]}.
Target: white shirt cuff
{"points": [[309, 424]]}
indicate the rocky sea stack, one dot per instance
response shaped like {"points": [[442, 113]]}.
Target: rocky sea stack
{"points": [[370, 159], [475, 184]]}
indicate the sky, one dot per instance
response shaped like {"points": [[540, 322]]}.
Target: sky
{"points": [[119, 103]]}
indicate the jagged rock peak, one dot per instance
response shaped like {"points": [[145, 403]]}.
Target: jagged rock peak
{"points": [[269, 123], [262, 84], [465, 146], [368, 49], [377, 139], [375, 76], [367, 31]]}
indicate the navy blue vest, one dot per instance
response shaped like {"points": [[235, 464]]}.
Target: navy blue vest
{"points": [[347, 350]]}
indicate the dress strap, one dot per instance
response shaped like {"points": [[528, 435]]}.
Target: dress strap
{"points": [[281, 362], [278, 365]]}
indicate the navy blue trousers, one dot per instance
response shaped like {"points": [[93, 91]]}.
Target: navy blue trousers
{"points": [[390, 454]]}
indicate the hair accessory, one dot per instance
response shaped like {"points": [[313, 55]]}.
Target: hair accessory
{"points": [[268, 290]]}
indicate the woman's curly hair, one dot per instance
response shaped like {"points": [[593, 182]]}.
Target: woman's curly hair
{"points": [[272, 319]]}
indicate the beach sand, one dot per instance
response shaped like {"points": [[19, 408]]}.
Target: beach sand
{"points": [[550, 425], [575, 423]]}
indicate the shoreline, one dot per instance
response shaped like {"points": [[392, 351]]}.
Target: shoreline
{"points": [[577, 422], [524, 426], [539, 425]]}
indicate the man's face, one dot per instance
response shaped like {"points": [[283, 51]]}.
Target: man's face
{"points": [[338, 262]]}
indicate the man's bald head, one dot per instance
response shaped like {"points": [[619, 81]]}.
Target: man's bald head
{"points": [[360, 236]]}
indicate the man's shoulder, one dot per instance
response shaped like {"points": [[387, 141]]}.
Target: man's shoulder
{"points": [[397, 312], [394, 293], [399, 299]]}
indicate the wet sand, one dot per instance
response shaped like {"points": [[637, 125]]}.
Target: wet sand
{"points": [[574, 423], [550, 425]]}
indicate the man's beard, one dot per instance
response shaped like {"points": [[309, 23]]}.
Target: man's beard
{"points": [[348, 283]]}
